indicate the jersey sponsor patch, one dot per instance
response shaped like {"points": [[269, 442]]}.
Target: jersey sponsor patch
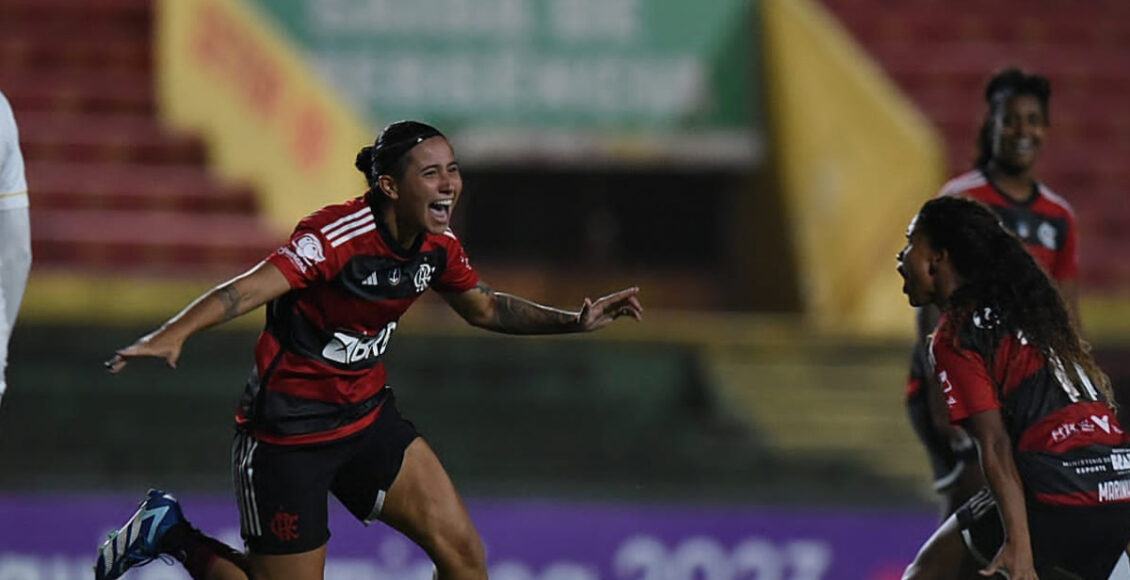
{"points": [[348, 348], [309, 249], [1117, 490], [1120, 459]]}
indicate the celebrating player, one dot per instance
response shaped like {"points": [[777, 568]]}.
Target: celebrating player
{"points": [[316, 416], [1018, 378], [1009, 143]]}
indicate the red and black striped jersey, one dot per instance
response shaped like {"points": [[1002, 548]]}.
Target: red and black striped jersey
{"points": [[319, 374], [1069, 447], [1045, 222]]}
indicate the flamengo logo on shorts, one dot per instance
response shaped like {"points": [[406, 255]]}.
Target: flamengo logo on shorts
{"points": [[285, 526], [348, 349], [1117, 490]]}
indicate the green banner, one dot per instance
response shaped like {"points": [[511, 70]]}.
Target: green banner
{"points": [[620, 67]]}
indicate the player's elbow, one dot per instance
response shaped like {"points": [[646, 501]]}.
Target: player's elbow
{"points": [[479, 319]]}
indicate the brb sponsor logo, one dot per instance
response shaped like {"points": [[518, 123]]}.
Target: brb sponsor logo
{"points": [[349, 348], [1120, 460]]}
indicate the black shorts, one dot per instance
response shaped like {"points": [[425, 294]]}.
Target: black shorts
{"points": [[282, 489], [1068, 542]]}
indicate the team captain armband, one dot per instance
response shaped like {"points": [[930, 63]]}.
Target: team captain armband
{"points": [[964, 378]]}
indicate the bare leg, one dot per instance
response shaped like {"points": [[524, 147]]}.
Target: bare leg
{"points": [[305, 566], [225, 570], [423, 505], [943, 557]]}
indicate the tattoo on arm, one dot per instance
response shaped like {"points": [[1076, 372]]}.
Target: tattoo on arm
{"points": [[483, 288], [514, 315], [230, 298], [519, 316]]}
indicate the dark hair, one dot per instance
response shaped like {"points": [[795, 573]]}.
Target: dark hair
{"points": [[1004, 283], [1004, 85], [386, 156]]}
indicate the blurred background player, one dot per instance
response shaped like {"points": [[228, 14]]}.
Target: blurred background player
{"points": [[317, 416], [15, 235], [1004, 178], [1023, 384]]}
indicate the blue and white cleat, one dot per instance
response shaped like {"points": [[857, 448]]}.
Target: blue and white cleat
{"points": [[138, 542]]}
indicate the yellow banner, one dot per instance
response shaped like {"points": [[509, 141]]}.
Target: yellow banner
{"points": [[856, 161], [225, 73]]}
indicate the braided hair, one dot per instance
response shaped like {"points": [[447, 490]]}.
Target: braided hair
{"points": [[1002, 282], [1004, 85], [388, 154]]}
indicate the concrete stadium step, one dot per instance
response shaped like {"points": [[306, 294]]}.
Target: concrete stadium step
{"points": [[151, 242], [822, 402], [118, 186], [110, 137]]}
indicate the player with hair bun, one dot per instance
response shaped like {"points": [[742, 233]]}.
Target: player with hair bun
{"points": [[316, 415]]}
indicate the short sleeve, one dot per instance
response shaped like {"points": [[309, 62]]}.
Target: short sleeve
{"points": [[964, 378], [304, 260], [458, 275], [1067, 260]]}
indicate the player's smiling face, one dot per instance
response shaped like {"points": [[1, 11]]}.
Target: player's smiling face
{"points": [[429, 188], [1019, 127]]}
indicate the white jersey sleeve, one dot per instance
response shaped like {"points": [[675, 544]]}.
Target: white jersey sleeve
{"points": [[13, 182]]}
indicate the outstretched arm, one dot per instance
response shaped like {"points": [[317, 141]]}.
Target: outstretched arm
{"points": [[240, 295], [481, 306], [1015, 556]]}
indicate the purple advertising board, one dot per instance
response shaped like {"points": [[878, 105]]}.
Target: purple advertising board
{"points": [[49, 537]]}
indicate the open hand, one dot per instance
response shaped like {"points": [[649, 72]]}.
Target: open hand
{"points": [[597, 314], [1012, 563], [156, 344]]}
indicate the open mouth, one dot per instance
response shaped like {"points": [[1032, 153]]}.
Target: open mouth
{"points": [[440, 210]]}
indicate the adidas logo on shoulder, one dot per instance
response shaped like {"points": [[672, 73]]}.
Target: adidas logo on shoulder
{"points": [[372, 280]]}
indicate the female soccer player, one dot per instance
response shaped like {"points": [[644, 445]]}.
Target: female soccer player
{"points": [[1022, 383], [1004, 178], [316, 416]]}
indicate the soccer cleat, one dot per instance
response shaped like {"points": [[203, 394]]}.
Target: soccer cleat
{"points": [[138, 542]]}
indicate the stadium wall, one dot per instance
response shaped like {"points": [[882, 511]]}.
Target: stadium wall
{"points": [[225, 73]]}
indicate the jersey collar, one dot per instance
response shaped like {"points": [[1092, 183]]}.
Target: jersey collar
{"points": [[386, 235]]}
